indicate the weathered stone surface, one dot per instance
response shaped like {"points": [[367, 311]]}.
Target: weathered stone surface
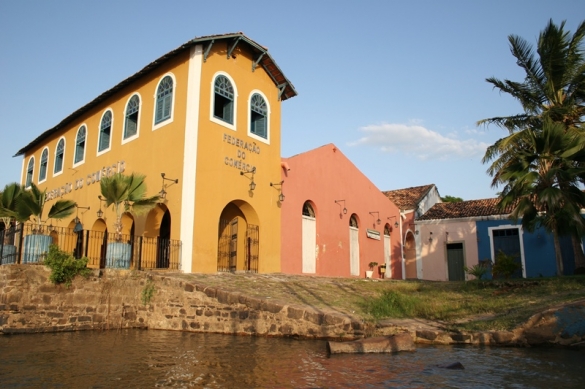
{"points": [[426, 334], [384, 344]]}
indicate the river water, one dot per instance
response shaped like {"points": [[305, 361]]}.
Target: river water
{"points": [[164, 359]]}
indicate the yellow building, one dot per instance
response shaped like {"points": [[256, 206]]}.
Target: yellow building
{"points": [[202, 123]]}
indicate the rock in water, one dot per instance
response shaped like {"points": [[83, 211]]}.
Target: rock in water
{"points": [[383, 344], [452, 366]]}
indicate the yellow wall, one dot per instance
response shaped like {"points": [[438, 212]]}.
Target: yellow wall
{"points": [[151, 153], [218, 183]]}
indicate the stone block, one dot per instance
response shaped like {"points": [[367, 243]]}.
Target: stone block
{"points": [[72, 319], [243, 315], [314, 317], [210, 292], [54, 314], [254, 303], [272, 306], [384, 344], [461, 338], [84, 318], [286, 330], [332, 319], [29, 308], [194, 325], [502, 337], [426, 334], [96, 318], [208, 313], [295, 313], [199, 312], [189, 288]]}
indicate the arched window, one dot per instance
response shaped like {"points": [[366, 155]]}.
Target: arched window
{"points": [[164, 100], [132, 110], [80, 145], [353, 221], [29, 172], [59, 156], [258, 116], [105, 131], [223, 100], [387, 230], [308, 209], [43, 166]]}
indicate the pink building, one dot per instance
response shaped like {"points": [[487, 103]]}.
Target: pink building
{"points": [[413, 202], [334, 219]]}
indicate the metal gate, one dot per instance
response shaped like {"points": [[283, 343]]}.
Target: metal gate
{"points": [[252, 248], [455, 262]]}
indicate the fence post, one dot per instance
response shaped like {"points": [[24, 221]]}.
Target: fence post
{"points": [[20, 242], [139, 265]]}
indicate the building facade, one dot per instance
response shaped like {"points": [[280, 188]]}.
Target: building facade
{"points": [[202, 123], [335, 221]]}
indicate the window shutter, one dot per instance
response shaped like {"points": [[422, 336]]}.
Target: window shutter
{"points": [[228, 112], [159, 110], [167, 106]]}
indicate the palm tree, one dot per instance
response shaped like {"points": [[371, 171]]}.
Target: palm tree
{"points": [[31, 204], [126, 194], [8, 199], [554, 88], [541, 179]]}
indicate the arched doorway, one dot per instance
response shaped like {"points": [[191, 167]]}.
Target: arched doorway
{"points": [[158, 251], [410, 256], [309, 238], [97, 244], [354, 246], [238, 238], [163, 257]]}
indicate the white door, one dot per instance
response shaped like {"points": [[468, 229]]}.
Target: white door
{"points": [[387, 256], [354, 252], [309, 244]]}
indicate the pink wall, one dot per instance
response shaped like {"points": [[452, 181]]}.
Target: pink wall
{"points": [[322, 176]]}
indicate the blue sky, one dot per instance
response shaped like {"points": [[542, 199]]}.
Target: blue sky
{"points": [[397, 85]]}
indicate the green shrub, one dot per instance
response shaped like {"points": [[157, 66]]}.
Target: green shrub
{"points": [[478, 271], [505, 265], [64, 267]]}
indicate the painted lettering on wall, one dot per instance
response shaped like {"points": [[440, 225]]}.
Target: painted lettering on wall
{"points": [[91, 178], [239, 161]]}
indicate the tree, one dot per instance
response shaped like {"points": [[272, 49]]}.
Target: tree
{"points": [[126, 194], [31, 203], [451, 199], [541, 179], [553, 88], [8, 199]]}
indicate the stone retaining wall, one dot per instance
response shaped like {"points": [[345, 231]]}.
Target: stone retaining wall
{"points": [[112, 299]]}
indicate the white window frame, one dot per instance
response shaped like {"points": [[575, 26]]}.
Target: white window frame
{"points": [[212, 102], [268, 114], [520, 238], [75, 164], [156, 126], [40, 166], [131, 138], [98, 153], [32, 175], [55, 174]]}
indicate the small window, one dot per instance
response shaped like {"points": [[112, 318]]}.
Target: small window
{"points": [[59, 155], [308, 210], [131, 124], [164, 100], [258, 116], [223, 102], [105, 132], [44, 163], [29, 172], [353, 221], [80, 145]]}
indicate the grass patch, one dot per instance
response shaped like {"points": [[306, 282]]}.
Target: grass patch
{"points": [[476, 305]]}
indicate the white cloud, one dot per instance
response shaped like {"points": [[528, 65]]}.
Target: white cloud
{"points": [[416, 140]]}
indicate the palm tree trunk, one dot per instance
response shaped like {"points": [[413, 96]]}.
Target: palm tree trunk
{"points": [[578, 252], [558, 254]]}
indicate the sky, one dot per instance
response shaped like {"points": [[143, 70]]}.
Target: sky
{"points": [[397, 86]]}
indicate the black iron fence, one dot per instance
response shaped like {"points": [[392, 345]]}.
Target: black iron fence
{"points": [[29, 243]]}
